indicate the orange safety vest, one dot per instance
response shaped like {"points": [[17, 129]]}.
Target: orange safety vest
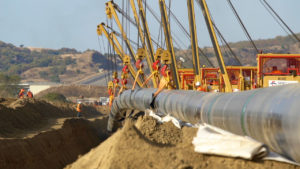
{"points": [[29, 94], [79, 106], [21, 93], [202, 89], [276, 71]]}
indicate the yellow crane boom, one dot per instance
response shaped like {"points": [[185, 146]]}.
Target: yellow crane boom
{"points": [[213, 37], [194, 41], [117, 47], [149, 60], [111, 13], [169, 42]]}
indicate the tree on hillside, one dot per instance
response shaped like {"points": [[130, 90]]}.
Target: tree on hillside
{"points": [[9, 85]]}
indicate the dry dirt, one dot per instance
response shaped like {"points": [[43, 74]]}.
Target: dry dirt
{"points": [[148, 144], [38, 135], [76, 91], [35, 134], [20, 116]]}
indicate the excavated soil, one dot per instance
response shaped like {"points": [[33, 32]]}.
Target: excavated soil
{"points": [[52, 149], [148, 144], [35, 134], [18, 117]]}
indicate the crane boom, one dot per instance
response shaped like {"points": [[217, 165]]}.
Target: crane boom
{"points": [[165, 22], [146, 29], [194, 40], [149, 60], [117, 47], [213, 37], [111, 12]]}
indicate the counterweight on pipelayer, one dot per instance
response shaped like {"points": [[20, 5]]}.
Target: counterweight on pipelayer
{"points": [[270, 115]]}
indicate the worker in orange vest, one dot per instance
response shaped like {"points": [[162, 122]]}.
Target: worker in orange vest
{"points": [[199, 87], [29, 94], [79, 109], [21, 93], [275, 70]]}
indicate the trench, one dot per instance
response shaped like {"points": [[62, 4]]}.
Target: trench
{"points": [[54, 148]]}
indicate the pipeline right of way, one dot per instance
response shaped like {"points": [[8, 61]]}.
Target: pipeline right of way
{"points": [[270, 115]]}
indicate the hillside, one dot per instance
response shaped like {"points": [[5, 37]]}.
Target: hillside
{"points": [[245, 52], [71, 66], [44, 65]]}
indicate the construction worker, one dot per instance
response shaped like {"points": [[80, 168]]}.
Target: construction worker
{"points": [[21, 93], [199, 87], [29, 94], [79, 109], [139, 66], [275, 70]]}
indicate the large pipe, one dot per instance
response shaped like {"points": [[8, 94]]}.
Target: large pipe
{"points": [[270, 115]]}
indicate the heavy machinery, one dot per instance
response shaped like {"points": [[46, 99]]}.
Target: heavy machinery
{"points": [[240, 112], [277, 69], [221, 79]]}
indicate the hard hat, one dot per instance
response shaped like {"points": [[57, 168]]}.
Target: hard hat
{"points": [[79, 102], [198, 83]]}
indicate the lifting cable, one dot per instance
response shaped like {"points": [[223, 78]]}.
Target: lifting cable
{"points": [[110, 56], [175, 39], [105, 74], [223, 41], [118, 34], [242, 25], [179, 23], [169, 14], [132, 21], [145, 4], [227, 45], [123, 27], [159, 35], [274, 17], [188, 36], [103, 55], [139, 36], [121, 11], [113, 56], [109, 60], [159, 40], [278, 19]]}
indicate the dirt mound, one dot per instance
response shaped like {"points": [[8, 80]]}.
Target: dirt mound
{"points": [[157, 132], [53, 149], [76, 91], [138, 146], [21, 115]]}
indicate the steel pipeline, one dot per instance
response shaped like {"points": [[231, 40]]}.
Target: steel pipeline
{"points": [[270, 115]]}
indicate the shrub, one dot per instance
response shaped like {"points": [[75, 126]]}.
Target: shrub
{"points": [[54, 97]]}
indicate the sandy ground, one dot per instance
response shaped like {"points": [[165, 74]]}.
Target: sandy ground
{"points": [[38, 135], [23, 117], [148, 144]]}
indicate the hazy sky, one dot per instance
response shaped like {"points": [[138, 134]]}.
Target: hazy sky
{"points": [[72, 23]]}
